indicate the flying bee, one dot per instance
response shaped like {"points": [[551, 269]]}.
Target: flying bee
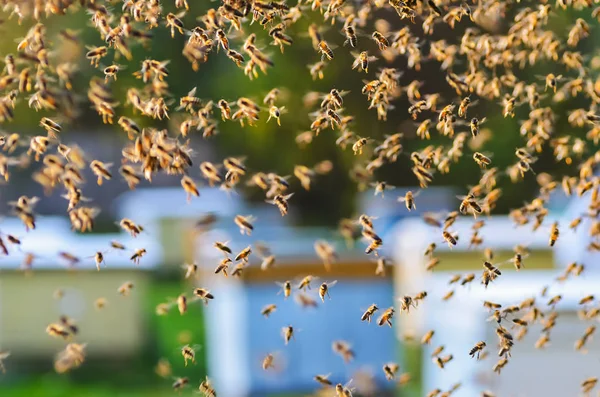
{"points": [[268, 362], [324, 290], [137, 255], [244, 254], [281, 201], [554, 233], [275, 112], [358, 146], [368, 314], [111, 72], [50, 126], [305, 283], [386, 317], [409, 200], [426, 339], [125, 288], [94, 54], [245, 224], [477, 349], [286, 288], [189, 353], [190, 188], [268, 310], [390, 370], [449, 238], [207, 388], [288, 333], [323, 379], [464, 106], [381, 41], [223, 266], [351, 37], [552, 81], [481, 160], [362, 60], [325, 51], [203, 294], [174, 23], [101, 170], [475, 124]]}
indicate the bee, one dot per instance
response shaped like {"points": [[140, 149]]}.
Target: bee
{"points": [[188, 353], [368, 314], [244, 254], [203, 295], [182, 304], [386, 317], [286, 288], [449, 238], [477, 349], [125, 288], [94, 54], [325, 51], [426, 339], [50, 126], [409, 200], [351, 37], [481, 160], [180, 383], [288, 333], [207, 388], [358, 146], [268, 310], [101, 170], [554, 233], [323, 379], [381, 41], [137, 255], [245, 224], [324, 290], [268, 362], [281, 202], [362, 60], [390, 370]]}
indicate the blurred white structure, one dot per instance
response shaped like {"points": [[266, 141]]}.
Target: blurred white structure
{"points": [[461, 322]]}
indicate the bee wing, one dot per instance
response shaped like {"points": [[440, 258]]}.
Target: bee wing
{"points": [[416, 194], [288, 196], [192, 92], [331, 284]]}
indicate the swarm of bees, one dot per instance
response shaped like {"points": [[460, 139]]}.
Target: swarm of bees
{"points": [[480, 62]]}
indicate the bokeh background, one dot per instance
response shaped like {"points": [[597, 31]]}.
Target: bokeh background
{"points": [[131, 340]]}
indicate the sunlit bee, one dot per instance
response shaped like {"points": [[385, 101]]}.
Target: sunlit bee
{"points": [[351, 37], [95, 54], [386, 317], [324, 290], [111, 72], [554, 233], [203, 294], [362, 61], [268, 362], [207, 389], [368, 314], [323, 380], [125, 288], [50, 126], [381, 41], [390, 370], [245, 224], [449, 238], [281, 201], [409, 200], [180, 383], [286, 288], [137, 255], [268, 310], [130, 175], [129, 126], [190, 187], [236, 57], [325, 51], [244, 254], [101, 170], [275, 112], [288, 333], [481, 160]]}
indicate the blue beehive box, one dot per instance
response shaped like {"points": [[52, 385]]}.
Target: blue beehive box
{"points": [[239, 337]]}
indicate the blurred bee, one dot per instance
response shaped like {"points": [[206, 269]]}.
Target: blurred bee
{"points": [[203, 294], [481, 160], [281, 202], [180, 383], [286, 288], [386, 317], [477, 349], [324, 290], [381, 41], [125, 288], [368, 314], [268, 310], [244, 254], [409, 200], [245, 224], [351, 37], [207, 388], [188, 353], [288, 333], [101, 170], [390, 370], [554, 233], [325, 51], [362, 60]]}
